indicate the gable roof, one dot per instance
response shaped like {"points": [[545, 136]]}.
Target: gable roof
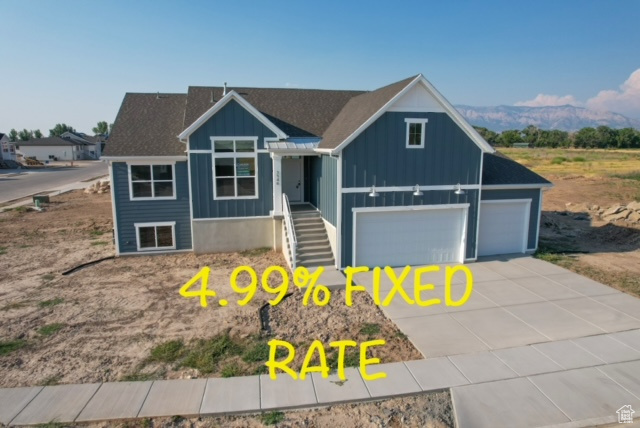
{"points": [[297, 112], [50, 141], [498, 169], [357, 111], [361, 111], [147, 125]]}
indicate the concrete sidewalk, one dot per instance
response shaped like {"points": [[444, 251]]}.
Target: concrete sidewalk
{"points": [[572, 381]]}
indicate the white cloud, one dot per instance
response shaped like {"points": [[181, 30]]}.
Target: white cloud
{"points": [[542, 100], [625, 101]]}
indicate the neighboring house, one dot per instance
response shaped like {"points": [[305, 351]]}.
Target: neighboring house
{"points": [[7, 148], [392, 177], [69, 146], [93, 145]]}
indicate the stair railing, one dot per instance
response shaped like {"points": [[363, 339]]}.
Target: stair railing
{"points": [[291, 233]]}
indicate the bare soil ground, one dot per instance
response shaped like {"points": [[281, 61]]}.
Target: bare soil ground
{"points": [[431, 410], [124, 319], [575, 238]]}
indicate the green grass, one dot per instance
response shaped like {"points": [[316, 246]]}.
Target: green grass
{"points": [[205, 354], [578, 159], [49, 329], [259, 352], [11, 345], [51, 380], [96, 233], [370, 329], [15, 305], [141, 377], [231, 370], [633, 175], [49, 303], [256, 252], [272, 418], [558, 160], [167, 352], [99, 243], [48, 277], [3, 250]]}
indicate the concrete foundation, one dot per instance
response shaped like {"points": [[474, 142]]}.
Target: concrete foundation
{"points": [[221, 235]]}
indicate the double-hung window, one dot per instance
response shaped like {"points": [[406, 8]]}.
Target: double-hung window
{"points": [[415, 133], [154, 181], [235, 166], [156, 236]]}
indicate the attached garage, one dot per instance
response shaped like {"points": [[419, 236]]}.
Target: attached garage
{"points": [[416, 235], [504, 226]]}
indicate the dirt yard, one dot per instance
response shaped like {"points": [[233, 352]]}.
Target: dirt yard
{"points": [[432, 410], [124, 319], [572, 234]]}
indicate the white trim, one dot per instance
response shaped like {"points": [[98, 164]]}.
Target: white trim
{"points": [[268, 139], [145, 159], [464, 207], [220, 104], [339, 214], [230, 218], [423, 129], [539, 220], [148, 253], [152, 181], [410, 188], [527, 216], [515, 186], [190, 193], [478, 206], [411, 207], [453, 113], [324, 151], [156, 224], [234, 155], [277, 183], [113, 210]]}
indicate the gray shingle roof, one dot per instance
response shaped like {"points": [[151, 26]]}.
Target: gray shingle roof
{"points": [[500, 169], [148, 125], [357, 111], [50, 141], [297, 112]]}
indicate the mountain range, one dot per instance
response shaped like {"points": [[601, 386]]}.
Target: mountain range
{"points": [[565, 118]]}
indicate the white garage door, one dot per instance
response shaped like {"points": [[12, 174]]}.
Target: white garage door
{"points": [[503, 226], [410, 237]]}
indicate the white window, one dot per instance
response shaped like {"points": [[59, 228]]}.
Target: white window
{"points": [[415, 133], [155, 181], [235, 168], [156, 236]]}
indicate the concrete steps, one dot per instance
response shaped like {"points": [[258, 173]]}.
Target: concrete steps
{"points": [[313, 243]]}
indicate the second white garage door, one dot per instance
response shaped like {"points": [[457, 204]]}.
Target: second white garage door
{"points": [[410, 236], [503, 226]]}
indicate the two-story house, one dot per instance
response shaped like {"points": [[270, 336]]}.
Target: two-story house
{"points": [[393, 176]]}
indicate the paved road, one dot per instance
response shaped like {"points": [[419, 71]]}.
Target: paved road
{"points": [[19, 184]]}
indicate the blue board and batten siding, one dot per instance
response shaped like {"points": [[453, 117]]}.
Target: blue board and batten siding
{"points": [[533, 194], [129, 212], [230, 121], [379, 157], [324, 186]]}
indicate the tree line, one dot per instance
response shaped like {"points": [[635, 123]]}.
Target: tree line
{"points": [[102, 128], [602, 137]]}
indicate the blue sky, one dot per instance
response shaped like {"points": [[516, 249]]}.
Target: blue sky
{"points": [[72, 61]]}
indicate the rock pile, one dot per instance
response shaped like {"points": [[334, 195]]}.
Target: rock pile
{"points": [[101, 186], [629, 213]]}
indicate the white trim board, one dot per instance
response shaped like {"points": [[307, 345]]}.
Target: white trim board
{"points": [[231, 95], [410, 188], [230, 218], [156, 224], [514, 186], [446, 105], [116, 236], [145, 159]]}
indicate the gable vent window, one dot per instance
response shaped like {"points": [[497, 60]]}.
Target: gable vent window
{"points": [[235, 166], [151, 182], [415, 133]]}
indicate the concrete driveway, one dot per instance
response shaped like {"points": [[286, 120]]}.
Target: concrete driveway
{"points": [[535, 345]]}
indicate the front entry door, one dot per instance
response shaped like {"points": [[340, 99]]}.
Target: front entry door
{"points": [[292, 179]]}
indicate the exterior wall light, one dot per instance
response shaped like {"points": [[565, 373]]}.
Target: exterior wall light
{"points": [[459, 190], [417, 191], [373, 193]]}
